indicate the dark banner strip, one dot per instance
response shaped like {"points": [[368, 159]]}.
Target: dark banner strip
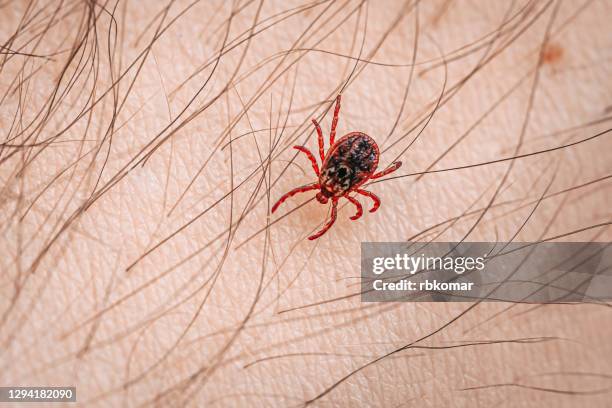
{"points": [[549, 272]]}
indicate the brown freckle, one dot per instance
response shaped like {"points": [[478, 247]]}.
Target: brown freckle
{"points": [[552, 54]]}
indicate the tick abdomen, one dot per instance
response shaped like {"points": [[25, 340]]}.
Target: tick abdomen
{"points": [[349, 163]]}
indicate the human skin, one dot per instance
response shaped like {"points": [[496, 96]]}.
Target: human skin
{"points": [[141, 262]]}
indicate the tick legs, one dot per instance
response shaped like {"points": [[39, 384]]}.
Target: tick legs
{"points": [[357, 204], [321, 143], [391, 169], [310, 156], [373, 196], [334, 213], [332, 135], [294, 192]]}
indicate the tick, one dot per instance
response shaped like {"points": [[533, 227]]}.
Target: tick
{"points": [[348, 164]]}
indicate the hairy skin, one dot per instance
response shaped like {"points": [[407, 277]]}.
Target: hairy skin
{"points": [[141, 263]]}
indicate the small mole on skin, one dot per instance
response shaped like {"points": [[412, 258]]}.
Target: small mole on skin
{"points": [[552, 54]]}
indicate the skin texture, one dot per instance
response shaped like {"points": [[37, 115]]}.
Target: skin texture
{"points": [[141, 262]]}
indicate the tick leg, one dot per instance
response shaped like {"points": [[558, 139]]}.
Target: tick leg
{"points": [[390, 169], [331, 221], [310, 156], [294, 192], [373, 196], [321, 143], [332, 135], [356, 204]]}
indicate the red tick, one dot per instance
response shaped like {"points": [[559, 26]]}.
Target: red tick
{"points": [[349, 163]]}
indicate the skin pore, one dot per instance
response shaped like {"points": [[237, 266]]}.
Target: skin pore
{"points": [[144, 146]]}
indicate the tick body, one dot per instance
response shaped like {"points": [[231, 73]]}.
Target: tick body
{"points": [[348, 164]]}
